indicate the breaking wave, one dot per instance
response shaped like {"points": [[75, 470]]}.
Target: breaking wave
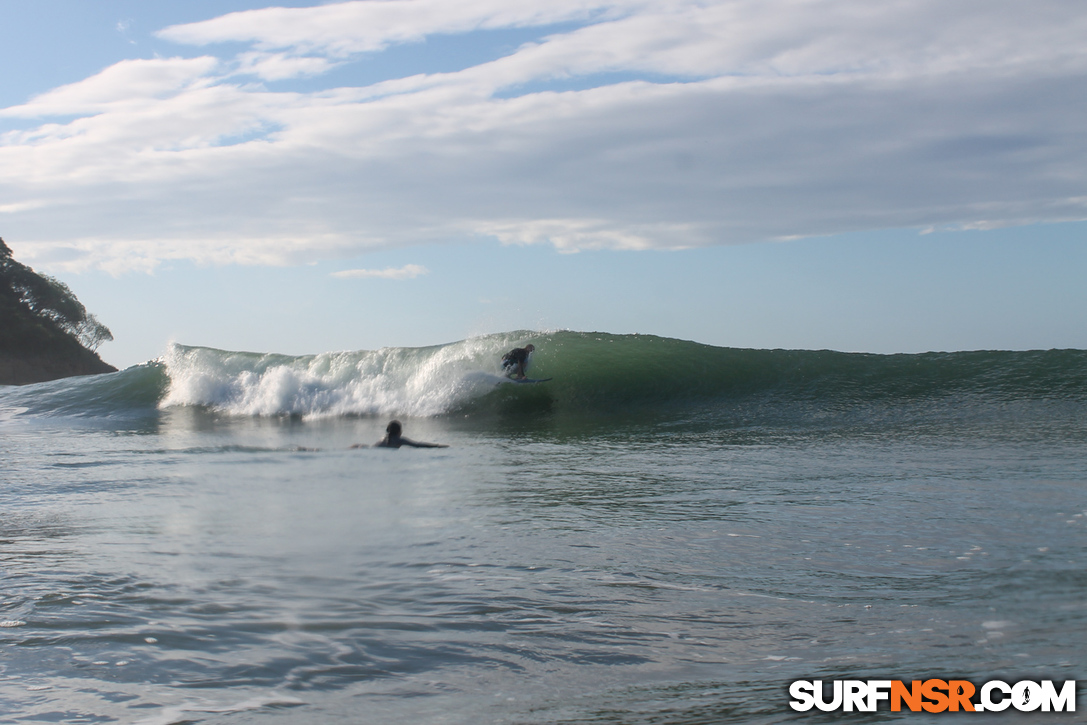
{"points": [[592, 372]]}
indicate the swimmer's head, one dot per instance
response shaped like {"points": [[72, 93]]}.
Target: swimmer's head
{"points": [[393, 428], [530, 348]]}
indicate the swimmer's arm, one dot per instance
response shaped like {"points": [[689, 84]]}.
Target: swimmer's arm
{"points": [[419, 444]]}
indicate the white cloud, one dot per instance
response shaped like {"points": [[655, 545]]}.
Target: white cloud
{"points": [[144, 254], [123, 85], [573, 235], [22, 206], [342, 29], [408, 271], [687, 37], [280, 66], [729, 121]]}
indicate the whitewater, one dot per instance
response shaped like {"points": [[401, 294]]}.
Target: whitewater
{"points": [[666, 532]]}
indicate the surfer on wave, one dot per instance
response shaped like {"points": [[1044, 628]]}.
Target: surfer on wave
{"points": [[393, 439], [516, 360]]}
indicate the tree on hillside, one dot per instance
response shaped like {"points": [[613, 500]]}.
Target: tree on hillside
{"points": [[48, 299]]}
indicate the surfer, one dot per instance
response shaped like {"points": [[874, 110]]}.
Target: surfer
{"points": [[517, 359], [393, 439]]}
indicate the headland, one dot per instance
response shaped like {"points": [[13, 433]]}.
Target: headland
{"points": [[46, 333]]}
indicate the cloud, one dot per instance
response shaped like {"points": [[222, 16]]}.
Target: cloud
{"points": [[621, 125], [408, 271], [22, 206], [341, 29], [145, 254], [281, 66], [573, 235], [120, 87]]}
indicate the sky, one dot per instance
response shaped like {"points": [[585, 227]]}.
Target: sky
{"points": [[879, 177]]}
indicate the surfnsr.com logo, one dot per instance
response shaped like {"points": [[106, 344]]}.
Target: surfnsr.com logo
{"points": [[933, 696]]}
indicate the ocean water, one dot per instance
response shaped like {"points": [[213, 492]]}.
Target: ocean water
{"points": [[664, 533]]}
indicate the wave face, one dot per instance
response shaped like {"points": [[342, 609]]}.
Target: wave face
{"points": [[592, 373], [134, 391]]}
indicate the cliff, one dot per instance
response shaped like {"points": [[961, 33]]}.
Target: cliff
{"points": [[45, 333]]}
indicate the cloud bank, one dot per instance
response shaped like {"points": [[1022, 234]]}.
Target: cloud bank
{"points": [[623, 124]]}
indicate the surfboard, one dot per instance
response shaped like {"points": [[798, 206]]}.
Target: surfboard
{"points": [[483, 378]]}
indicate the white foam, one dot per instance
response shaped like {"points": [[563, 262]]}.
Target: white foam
{"points": [[9, 413], [391, 381]]}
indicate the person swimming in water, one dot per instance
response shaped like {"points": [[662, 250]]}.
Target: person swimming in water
{"points": [[394, 439], [517, 359]]}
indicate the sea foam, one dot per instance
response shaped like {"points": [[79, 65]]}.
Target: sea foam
{"points": [[391, 381]]}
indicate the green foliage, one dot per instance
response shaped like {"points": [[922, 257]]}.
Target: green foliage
{"points": [[49, 302]]}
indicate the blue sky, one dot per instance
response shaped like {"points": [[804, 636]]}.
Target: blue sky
{"points": [[782, 173]]}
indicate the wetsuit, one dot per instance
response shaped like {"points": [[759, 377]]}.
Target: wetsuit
{"points": [[516, 357]]}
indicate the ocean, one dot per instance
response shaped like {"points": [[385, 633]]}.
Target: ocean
{"points": [[666, 532]]}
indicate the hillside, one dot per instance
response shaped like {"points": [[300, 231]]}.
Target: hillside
{"points": [[45, 332]]}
